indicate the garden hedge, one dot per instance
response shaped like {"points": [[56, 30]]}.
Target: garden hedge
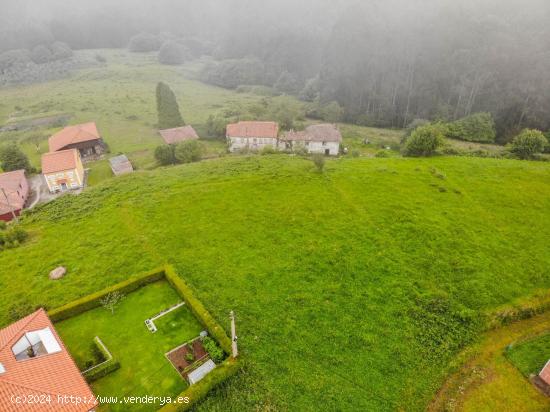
{"points": [[110, 364], [93, 301], [195, 392], [215, 330], [198, 391]]}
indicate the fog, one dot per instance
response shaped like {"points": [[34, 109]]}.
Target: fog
{"points": [[385, 62]]}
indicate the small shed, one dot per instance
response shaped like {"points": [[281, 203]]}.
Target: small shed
{"points": [[178, 134], [120, 165]]}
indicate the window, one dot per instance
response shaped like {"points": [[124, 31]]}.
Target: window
{"points": [[324, 143], [2, 369], [34, 344]]}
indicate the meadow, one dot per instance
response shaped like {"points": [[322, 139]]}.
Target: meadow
{"points": [[354, 289]]}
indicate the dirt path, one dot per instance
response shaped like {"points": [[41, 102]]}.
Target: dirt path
{"points": [[488, 381]]}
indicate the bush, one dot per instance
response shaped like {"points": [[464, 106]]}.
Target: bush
{"points": [[382, 153], [215, 352], [100, 58], [165, 155], [61, 51], [479, 127], [14, 59], [319, 162], [215, 126], [144, 42], [268, 150], [3, 225], [424, 141], [12, 158], [109, 363], [528, 143], [41, 54], [196, 306], [171, 52], [188, 152]]}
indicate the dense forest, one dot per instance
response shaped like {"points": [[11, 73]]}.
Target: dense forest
{"points": [[386, 63]]}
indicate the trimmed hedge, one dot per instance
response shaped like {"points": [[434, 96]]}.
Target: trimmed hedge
{"points": [[103, 369], [195, 392], [93, 301], [215, 330], [198, 391]]}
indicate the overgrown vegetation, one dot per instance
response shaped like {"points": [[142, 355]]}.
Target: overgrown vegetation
{"points": [[12, 236], [423, 141], [528, 144]]}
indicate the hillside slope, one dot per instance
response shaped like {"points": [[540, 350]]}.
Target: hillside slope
{"points": [[353, 289]]}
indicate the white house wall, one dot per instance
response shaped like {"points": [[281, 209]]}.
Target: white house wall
{"points": [[251, 143]]}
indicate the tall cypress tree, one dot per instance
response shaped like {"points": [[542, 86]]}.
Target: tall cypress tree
{"points": [[169, 115]]}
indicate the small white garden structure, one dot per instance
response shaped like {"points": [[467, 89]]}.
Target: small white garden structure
{"points": [[201, 371], [150, 323]]}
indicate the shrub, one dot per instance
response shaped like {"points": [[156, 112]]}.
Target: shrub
{"points": [[412, 126], [424, 141], [215, 126], [528, 143], [14, 59], [41, 54], [100, 58], [215, 352], [13, 158], [144, 42], [188, 152], [3, 225], [61, 51], [319, 162], [171, 52], [479, 127], [382, 153], [109, 363], [165, 155], [332, 112], [268, 150]]}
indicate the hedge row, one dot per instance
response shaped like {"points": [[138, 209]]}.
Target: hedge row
{"points": [[524, 310], [215, 330], [93, 301], [198, 391], [109, 365]]}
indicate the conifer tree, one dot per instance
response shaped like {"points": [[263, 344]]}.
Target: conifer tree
{"points": [[169, 115]]}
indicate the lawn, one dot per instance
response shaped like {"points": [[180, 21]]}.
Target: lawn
{"points": [[530, 356], [144, 369], [353, 289]]}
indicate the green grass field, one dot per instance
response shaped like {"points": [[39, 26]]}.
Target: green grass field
{"points": [[530, 356], [353, 289], [144, 370]]}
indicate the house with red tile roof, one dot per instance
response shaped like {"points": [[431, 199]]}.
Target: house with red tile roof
{"points": [[252, 135], [14, 192], [83, 137], [35, 363], [63, 170], [317, 138], [178, 134]]}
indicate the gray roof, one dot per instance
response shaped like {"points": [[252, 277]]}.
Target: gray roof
{"points": [[316, 133], [120, 165]]}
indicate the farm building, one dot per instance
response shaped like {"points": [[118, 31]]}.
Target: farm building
{"points": [[83, 137], [318, 138], [252, 135], [63, 170], [34, 362], [178, 134], [120, 165], [14, 192]]}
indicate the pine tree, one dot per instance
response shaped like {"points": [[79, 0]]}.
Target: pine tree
{"points": [[169, 115]]}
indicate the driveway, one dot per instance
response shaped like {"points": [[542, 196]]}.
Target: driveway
{"points": [[40, 192]]}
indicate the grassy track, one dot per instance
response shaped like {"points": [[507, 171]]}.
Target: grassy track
{"points": [[353, 289], [490, 382]]}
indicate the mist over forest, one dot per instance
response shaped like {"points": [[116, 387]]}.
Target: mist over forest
{"points": [[385, 63]]}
